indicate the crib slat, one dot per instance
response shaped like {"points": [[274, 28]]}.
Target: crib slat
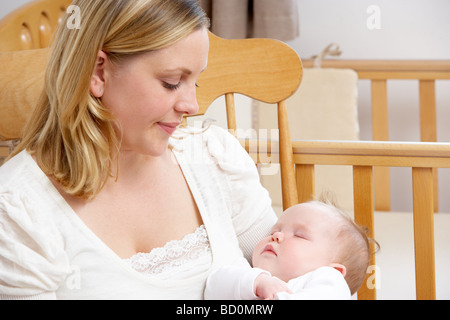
{"points": [[428, 128], [424, 233], [305, 182], [380, 132], [380, 129], [427, 93], [382, 188], [231, 112], [363, 206]]}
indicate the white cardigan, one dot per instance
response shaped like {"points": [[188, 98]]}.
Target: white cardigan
{"points": [[46, 251]]}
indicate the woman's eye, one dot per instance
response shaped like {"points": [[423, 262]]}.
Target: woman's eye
{"points": [[175, 86], [171, 86]]}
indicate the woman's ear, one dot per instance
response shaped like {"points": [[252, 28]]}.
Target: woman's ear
{"points": [[98, 77], [339, 267]]}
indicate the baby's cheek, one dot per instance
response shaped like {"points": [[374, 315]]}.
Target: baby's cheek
{"points": [[256, 253]]}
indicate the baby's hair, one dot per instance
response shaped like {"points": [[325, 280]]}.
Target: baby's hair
{"points": [[354, 251]]}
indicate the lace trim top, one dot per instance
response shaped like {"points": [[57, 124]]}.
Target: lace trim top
{"points": [[177, 259]]}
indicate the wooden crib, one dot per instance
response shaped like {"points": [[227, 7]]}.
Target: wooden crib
{"points": [[372, 160], [422, 157], [379, 73]]}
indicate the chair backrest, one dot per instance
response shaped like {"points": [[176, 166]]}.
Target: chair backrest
{"points": [[29, 27], [21, 83], [266, 70], [263, 69], [32, 25]]}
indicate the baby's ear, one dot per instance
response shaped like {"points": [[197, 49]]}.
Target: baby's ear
{"points": [[339, 267]]}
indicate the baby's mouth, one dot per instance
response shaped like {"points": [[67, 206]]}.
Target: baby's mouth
{"points": [[269, 250]]}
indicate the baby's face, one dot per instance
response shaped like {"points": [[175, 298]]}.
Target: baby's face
{"points": [[302, 240]]}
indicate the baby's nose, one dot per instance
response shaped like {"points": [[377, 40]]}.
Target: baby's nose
{"points": [[277, 236]]}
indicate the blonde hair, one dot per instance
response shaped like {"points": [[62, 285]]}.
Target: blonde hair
{"points": [[354, 244], [71, 134]]}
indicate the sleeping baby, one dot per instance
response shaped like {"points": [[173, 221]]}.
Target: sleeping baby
{"points": [[314, 252]]}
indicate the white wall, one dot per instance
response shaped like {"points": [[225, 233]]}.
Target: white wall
{"points": [[8, 6], [410, 29]]}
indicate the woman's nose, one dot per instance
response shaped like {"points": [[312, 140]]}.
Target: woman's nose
{"points": [[277, 236], [188, 102]]}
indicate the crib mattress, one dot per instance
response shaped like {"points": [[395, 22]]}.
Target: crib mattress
{"points": [[394, 231]]}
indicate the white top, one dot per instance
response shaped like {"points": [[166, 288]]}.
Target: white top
{"points": [[46, 251], [236, 282]]}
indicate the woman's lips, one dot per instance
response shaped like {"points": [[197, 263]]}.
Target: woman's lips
{"points": [[169, 127]]}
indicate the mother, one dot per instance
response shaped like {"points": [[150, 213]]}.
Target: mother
{"points": [[104, 197]]}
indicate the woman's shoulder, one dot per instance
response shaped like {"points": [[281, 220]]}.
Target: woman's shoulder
{"points": [[20, 171], [25, 189], [23, 182], [14, 168], [35, 244]]}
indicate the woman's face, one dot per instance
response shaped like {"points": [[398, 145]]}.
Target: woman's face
{"points": [[150, 93]]}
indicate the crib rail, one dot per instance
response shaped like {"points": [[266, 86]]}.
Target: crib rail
{"points": [[426, 72], [363, 156], [390, 69]]}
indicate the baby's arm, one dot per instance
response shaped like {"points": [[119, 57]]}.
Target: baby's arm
{"points": [[232, 282], [266, 286], [242, 282]]}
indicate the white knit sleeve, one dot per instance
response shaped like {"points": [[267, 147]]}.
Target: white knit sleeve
{"points": [[251, 206], [32, 259]]}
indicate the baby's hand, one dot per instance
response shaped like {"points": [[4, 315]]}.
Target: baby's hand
{"points": [[267, 286]]}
